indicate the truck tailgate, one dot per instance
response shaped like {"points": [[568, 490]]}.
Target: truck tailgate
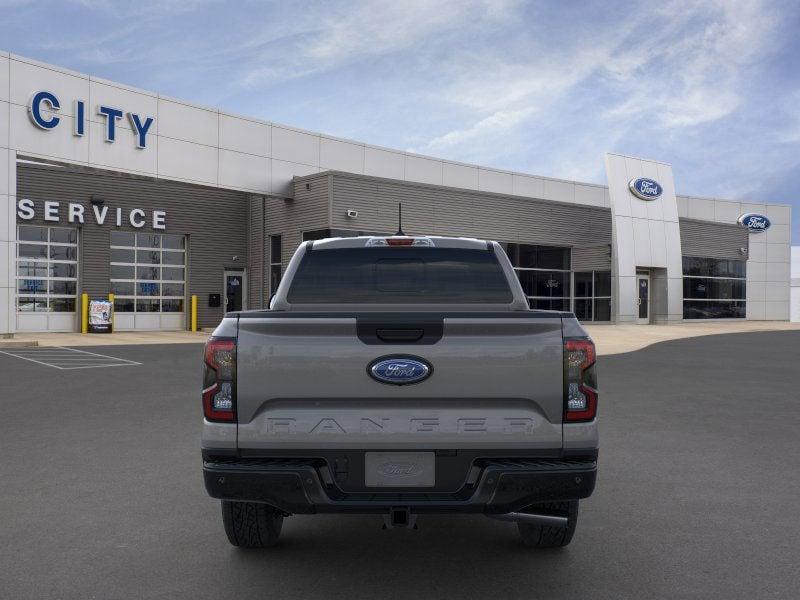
{"points": [[303, 383]]}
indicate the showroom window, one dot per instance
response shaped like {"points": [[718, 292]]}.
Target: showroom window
{"points": [[275, 249], [544, 272], [714, 288], [148, 272], [593, 295], [47, 269]]}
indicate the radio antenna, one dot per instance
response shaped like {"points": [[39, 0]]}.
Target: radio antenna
{"points": [[399, 219]]}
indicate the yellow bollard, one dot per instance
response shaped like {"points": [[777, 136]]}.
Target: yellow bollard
{"points": [[194, 313], [113, 312], [84, 313]]}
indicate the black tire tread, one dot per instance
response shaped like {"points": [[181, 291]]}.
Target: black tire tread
{"points": [[542, 536], [251, 524]]}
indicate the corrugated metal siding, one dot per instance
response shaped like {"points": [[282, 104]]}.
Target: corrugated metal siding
{"points": [[214, 220], [591, 258], [255, 257], [438, 210], [713, 240], [307, 211]]}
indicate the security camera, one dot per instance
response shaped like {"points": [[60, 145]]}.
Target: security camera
{"points": [[352, 214], [743, 251]]}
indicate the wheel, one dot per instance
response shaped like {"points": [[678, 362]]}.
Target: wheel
{"points": [[250, 524], [543, 536]]}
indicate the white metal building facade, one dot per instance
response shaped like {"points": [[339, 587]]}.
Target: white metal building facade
{"points": [[53, 115]]}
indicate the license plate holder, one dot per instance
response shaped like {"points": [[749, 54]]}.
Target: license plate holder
{"points": [[400, 469]]}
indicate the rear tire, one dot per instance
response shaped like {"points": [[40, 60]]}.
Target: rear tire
{"points": [[250, 524], [543, 536]]}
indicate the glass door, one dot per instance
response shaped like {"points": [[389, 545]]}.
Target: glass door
{"points": [[643, 287], [234, 290]]}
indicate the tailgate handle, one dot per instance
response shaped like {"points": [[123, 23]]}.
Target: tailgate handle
{"points": [[400, 335]]}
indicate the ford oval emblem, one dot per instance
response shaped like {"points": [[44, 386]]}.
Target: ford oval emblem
{"points": [[646, 189], [399, 469], [399, 370], [755, 223]]}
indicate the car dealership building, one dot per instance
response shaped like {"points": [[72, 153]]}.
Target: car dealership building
{"points": [[106, 189]]}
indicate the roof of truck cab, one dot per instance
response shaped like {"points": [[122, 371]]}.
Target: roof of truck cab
{"points": [[438, 242]]}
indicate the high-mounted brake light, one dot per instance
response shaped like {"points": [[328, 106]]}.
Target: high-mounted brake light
{"points": [[219, 380], [400, 241], [580, 394]]}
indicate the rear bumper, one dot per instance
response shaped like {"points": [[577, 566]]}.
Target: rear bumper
{"points": [[298, 485]]}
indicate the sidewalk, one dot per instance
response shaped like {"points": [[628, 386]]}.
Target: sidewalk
{"points": [[610, 339], [616, 339], [106, 339]]}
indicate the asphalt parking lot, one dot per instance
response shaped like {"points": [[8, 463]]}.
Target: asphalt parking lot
{"points": [[698, 492]]}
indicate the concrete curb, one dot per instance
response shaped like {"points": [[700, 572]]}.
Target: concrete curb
{"points": [[18, 344]]}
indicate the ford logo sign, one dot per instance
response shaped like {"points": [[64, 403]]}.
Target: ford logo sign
{"points": [[646, 189], [399, 370], [755, 223], [399, 469]]}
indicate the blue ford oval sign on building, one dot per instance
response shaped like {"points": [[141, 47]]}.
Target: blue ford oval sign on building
{"points": [[754, 222], [646, 189], [399, 370]]}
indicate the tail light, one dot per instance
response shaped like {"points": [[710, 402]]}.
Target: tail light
{"points": [[219, 380], [580, 393]]}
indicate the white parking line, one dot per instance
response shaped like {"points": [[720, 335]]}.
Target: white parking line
{"points": [[67, 359]]}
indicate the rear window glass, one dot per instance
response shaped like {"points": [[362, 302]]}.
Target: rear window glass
{"points": [[387, 275]]}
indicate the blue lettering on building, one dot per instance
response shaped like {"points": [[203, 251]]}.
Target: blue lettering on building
{"points": [[44, 105], [42, 100], [111, 115], [79, 127], [140, 128]]}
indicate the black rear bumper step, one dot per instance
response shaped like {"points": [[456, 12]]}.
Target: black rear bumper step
{"points": [[294, 485]]}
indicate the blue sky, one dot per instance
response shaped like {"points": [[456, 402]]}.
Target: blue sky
{"points": [[712, 87]]}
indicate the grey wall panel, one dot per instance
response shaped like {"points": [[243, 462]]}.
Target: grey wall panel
{"points": [[713, 240], [659, 290], [215, 221], [307, 211], [438, 210]]}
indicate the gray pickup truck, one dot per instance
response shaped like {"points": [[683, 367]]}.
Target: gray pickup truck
{"points": [[396, 376]]}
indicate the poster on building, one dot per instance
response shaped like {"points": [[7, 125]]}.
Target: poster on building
{"points": [[100, 312]]}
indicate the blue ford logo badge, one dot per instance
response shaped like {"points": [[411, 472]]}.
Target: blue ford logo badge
{"points": [[646, 189], [754, 222], [399, 370]]}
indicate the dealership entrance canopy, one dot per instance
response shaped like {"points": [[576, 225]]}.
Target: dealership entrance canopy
{"points": [[106, 189]]}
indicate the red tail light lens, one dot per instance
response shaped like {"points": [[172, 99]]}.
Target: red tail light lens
{"points": [[219, 380], [580, 393], [400, 241]]}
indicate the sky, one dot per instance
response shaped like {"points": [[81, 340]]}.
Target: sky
{"points": [[547, 88]]}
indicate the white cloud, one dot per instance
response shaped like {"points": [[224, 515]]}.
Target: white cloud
{"points": [[669, 67], [328, 39]]}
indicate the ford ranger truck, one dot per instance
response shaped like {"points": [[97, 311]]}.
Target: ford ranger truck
{"points": [[399, 376]]}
